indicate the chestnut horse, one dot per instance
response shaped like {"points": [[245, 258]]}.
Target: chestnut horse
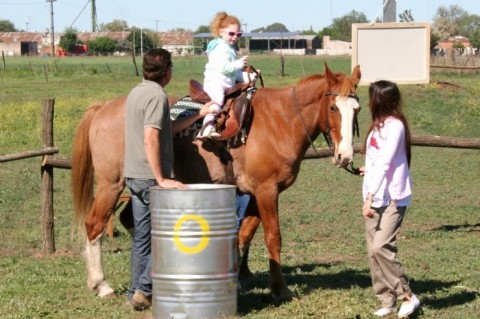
{"points": [[284, 122]]}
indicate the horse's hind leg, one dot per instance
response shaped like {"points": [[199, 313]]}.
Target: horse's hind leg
{"points": [[126, 217], [96, 224]]}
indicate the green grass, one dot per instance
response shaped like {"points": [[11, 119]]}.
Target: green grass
{"points": [[323, 250]]}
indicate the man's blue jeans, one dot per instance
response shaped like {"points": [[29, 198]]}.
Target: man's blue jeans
{"points": [[141, 259], [242, 200]]}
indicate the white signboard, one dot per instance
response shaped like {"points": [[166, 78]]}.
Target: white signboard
{"points": [[399, 52]]}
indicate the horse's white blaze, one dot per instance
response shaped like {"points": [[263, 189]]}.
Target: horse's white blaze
{"points": [[95, 277], [344, 151]]}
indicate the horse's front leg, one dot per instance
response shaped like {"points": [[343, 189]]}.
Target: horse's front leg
{"points": [[267, 201], [96, 224]]}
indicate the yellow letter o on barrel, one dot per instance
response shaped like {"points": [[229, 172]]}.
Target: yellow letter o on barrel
{"points": [[203, 240]]}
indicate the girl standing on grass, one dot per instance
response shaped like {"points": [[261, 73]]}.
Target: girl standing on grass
{"points": [[387, 193]]}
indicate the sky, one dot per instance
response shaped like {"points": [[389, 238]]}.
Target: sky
{"points": [[158, 15]]}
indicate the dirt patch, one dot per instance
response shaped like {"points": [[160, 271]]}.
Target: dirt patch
{"points": [[447, 85]]}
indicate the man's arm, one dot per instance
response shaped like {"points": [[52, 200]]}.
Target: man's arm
{"points": [[152, 149], [185, 122]]}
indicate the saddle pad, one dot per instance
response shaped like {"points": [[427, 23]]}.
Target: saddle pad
{"points": [[184, 108]]}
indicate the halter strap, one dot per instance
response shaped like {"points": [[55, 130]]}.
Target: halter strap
{"points": [[295, 102]]}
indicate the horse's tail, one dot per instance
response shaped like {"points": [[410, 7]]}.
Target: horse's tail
{"points": [[82, 170]]}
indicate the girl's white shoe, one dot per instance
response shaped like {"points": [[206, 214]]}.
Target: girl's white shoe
{"points": [[383, 312], [409, 307]]}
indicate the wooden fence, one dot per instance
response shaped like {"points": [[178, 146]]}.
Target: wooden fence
{"points": [[50, 161]]}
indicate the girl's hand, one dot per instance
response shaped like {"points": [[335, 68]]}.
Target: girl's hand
{"points": [[362, 170], [244, 59], [367, 211]]}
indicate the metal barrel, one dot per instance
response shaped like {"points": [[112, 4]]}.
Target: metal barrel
{"points": [[194, 252]]}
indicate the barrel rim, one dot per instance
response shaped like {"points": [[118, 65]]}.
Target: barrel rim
{"points": [[193, 187]]}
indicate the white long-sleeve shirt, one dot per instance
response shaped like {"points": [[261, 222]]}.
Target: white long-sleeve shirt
{"points": [[387, 175]]}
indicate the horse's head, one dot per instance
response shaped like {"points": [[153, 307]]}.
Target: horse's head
{"points": [[341, 108]]}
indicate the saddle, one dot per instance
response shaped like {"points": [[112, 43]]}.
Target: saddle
{"points": [[236, 109]]}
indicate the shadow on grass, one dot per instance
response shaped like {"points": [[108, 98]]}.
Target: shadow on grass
{"points": [[465, 227], [256, 293]]}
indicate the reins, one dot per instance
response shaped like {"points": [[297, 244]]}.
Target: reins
{"points": [[295, 102]]}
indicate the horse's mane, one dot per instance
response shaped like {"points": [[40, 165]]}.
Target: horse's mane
{"points": [[347, 83], [313, 77]]}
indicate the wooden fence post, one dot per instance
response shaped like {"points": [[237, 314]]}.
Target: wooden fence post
{"points": [[46, 195]]}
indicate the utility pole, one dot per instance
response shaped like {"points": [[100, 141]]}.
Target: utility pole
{"points": [[157, 38], [94, 17], [52, 28], [247, 40]]}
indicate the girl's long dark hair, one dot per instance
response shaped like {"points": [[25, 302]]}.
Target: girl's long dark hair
{"points": [[386, 101]]}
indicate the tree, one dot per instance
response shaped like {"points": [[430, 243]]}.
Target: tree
{"points": [[475, 38], [178, 30], [102, 45], [7, 26], [276, 27], [69, 39], [406, 16], [138, 37], [202, 29], [200, 44], [448, 21], [114, 26], [259, 30], [308, 32], [453, 21], [342, 26]]}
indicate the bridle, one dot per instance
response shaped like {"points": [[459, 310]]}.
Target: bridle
{"points": [[350, 168], [328, 138]]}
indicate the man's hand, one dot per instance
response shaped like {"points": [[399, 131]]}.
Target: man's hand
{"points": [[206, 108], [171, 184]]}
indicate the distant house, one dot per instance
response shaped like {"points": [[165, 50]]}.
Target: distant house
{"points": [[177, 42], [445, 47], [292, 43], [26, 43], [37, 43], [335, 47]]}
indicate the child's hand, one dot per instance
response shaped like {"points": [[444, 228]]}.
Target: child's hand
{"points": [[241, 63], [244, 59]]}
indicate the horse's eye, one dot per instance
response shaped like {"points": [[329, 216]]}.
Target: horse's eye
{"points": [[333, 108]]}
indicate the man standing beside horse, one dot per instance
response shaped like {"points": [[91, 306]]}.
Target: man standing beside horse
{"points": [[149, 160]]}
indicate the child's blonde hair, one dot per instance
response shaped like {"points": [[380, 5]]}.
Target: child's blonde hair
{"points": [[221, 21]]}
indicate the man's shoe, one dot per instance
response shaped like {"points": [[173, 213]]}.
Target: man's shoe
{"points": [[383, 312], [409, 307], [140, 301]]}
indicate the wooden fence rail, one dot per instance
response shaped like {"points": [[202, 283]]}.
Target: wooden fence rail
{"points": [[49, 162]]}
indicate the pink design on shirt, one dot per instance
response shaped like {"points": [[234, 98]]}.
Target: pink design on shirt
{"points": [[373, 142]]}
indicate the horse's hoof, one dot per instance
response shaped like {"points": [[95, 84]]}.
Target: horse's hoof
{"points": [[245, 273], [112, 295], [106, 291], [286, 295]]}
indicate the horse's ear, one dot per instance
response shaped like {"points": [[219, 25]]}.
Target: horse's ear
{"points": [[356, 74], [331, 78]]}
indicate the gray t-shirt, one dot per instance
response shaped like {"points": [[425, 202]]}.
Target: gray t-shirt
{"points": [[147, 106]]}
